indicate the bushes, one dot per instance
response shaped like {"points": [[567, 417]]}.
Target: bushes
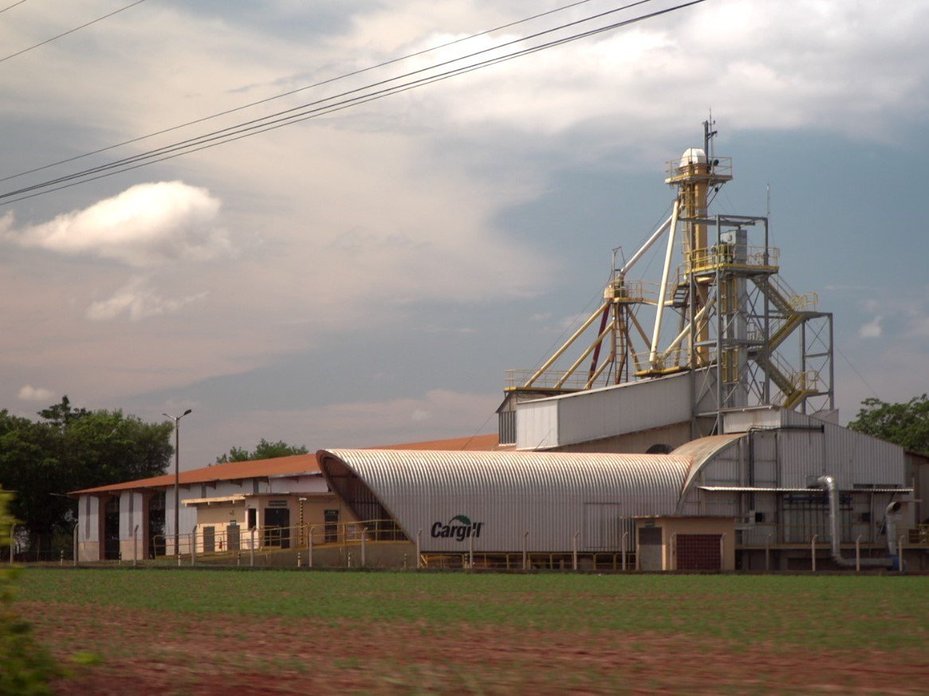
{"points": [[25, 667]]}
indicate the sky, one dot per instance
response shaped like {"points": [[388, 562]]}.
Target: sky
{"points": [[367, 276]]}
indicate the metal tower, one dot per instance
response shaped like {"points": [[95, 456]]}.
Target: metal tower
{"points": [[720, 312]]}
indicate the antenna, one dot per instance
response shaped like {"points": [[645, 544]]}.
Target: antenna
{"points": [[708, 136]]}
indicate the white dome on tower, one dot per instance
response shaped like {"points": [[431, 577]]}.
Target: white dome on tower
{"points": [[693, 155]]}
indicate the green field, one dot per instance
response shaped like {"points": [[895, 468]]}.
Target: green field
{"points": [[481, 633]]}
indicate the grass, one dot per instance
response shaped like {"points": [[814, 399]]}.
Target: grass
{"points": [[825, 612]]}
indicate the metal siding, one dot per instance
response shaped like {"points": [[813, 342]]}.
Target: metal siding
{"points": [[628, 408], [801, 457], [537, 424], [724, 470], [741, 421], [511, 493], [861, 459], [765, 452]]}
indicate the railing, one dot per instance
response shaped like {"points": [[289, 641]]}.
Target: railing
{"points": [[722, 169], [632, 291], [588, 561], [722, 256], [235, 539], [919, 535], [548, 380]]}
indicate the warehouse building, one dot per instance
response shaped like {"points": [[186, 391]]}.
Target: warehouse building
{"points": [[754, 498], [222, 508]]}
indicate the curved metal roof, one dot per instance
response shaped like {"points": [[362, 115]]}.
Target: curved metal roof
{"points": [[552, 495], [702, 451]]}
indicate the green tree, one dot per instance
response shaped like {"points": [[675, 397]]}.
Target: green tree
{"points": [[70, 449], [263, 450], [906, 424]]}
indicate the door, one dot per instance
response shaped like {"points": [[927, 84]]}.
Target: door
{"points": [[699, 551], [649, 548], [331, 518], [209, 539], [232, 536], [277, 527]]}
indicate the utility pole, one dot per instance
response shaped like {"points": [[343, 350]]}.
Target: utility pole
{"points": [[177, 481]]}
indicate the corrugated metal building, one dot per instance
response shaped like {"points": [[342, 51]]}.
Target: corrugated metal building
{"points": [[506, 495], [763, 476]]}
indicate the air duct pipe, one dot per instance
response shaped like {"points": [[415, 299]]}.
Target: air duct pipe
{"points": [[826, 481]]}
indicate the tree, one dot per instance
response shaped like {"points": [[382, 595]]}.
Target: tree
{"points": [[70, 449], [905, 424], [263, 450]]}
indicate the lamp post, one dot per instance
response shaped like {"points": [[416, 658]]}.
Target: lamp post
{"points": [[177, 481]]}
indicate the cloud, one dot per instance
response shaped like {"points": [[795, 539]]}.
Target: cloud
{"points": [[872, 329], [145, 225], [29, 393], [435, 414], [769, 72], [419, 415], [138, 301]]}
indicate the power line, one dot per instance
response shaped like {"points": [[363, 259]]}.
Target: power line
{"points": [[324, 106], [289, 93], [10, 7], [70, 31]]}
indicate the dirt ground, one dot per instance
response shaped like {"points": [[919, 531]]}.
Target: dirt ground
{"points": [[117, 651]]}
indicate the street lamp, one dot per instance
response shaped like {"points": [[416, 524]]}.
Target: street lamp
{"points": [[177, 481]]}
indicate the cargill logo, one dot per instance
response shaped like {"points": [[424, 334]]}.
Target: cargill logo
{"points": [[459, 527]]}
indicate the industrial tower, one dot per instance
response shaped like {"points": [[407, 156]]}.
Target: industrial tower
{"points": [[719, 311]]}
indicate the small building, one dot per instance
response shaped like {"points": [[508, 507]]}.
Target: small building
{"points": [[222, 507], [685, 543]]}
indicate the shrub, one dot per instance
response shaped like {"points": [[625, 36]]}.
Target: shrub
{"points": [[25, 666]]}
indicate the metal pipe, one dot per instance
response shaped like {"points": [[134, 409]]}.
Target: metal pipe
{"points": [[675, 344], [645, 247], [813, 551], [890, 524], [567, 344], [577, 363], [828, 482], [574, 551], [656, 334]]}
